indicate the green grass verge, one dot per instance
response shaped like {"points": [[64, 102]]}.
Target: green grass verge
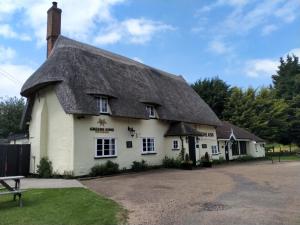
{"points": [[61, 206], [287, 158]]}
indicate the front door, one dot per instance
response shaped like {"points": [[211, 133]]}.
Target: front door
{"points": [[192, 149], [226, 152]]}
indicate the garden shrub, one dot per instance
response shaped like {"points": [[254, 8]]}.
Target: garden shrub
{"points": [[244, 158], [218, 161], [139, 166], [171, 162], [107, 168], [44, 169]]}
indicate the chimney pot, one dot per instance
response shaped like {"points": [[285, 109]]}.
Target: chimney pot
{"points": [[53, 26]]}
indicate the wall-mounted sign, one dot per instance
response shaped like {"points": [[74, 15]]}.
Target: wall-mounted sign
{"points": [[102, 122], [101, 129], [206, 134], [128, 144]]}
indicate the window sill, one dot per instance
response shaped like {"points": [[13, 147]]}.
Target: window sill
{"points": [[175, 149], [105, 157], [149, 153]]}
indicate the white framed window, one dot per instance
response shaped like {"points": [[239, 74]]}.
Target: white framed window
{"points": [[214, 150], [175, 145], [151, 111], [148, 145], [102, 104], [105, 147]]}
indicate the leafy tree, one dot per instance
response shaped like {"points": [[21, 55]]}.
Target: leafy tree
{"points": [[240, 107], [214, 92], [294, 120], [271, 117], [10, 115], [287, 80]]}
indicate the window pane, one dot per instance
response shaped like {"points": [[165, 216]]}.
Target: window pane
{"points": [[99, 141]]}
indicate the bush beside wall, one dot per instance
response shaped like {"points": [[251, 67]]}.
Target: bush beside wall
{"points": [[107, 168]]}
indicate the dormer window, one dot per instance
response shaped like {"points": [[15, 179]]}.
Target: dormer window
{"points": [[151, 111], [102, 104]]}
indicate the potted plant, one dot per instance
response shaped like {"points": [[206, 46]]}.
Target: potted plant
{"points": [[187, 164], [206, 160]]}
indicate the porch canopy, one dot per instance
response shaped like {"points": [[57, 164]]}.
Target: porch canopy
{"points": [[182, 129]]}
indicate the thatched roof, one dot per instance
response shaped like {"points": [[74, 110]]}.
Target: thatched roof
{"points": [[182, 129], [79, 72], [224, 132]]}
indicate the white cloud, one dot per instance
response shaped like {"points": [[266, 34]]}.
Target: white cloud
{"points": [[6, 53], [295, 51], [81, 20], [261, 67], [245, 16], [268, 29], [137, 31], [7, 32], [12, 77], [219, 47]]}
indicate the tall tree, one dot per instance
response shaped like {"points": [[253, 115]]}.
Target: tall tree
{"points": [[287, 80], [10, 115], [214, 92]]}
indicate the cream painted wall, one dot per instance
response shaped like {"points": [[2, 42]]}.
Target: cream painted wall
{"points": [[51, 133], [85, 141], [253, 149]]}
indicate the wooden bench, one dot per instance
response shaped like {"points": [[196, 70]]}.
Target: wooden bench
{"points": [[12, 190], [15, 193]]}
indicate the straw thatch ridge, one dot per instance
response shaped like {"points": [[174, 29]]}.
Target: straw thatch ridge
{"points": [[80, 72], [224, 132]]}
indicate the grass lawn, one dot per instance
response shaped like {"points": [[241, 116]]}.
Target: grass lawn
{"points": [[287, 158], [60, 206]]}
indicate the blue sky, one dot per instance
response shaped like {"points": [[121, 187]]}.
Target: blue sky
{"points": [[240, 41]]}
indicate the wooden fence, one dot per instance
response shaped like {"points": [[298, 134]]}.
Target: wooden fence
{"points": [[14, 160]]}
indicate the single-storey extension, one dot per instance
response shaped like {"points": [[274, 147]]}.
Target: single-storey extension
{"points": [[234, 142]]}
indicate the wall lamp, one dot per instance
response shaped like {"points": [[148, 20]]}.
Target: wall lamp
{"points": [[131, 131]]}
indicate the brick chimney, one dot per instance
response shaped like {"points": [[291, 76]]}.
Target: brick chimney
{"points": [[53, 26]]}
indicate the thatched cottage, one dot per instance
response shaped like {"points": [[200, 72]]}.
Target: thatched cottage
{"points": [[86, 105]]}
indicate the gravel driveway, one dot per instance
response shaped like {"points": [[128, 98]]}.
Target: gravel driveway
{"points": [[252, 193]]}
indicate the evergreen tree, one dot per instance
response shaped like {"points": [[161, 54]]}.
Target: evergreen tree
{"points": [[287, 80], [214, 92]]}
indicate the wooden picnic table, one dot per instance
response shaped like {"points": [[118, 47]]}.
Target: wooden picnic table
{"points": [[15, 190]]}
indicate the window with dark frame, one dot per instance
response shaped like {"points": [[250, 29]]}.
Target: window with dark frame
{"points": [[204, 145], [148, 145], [243, 148], [214, 150], [105, 147], [235, 148], [151, 111], [102, 104], [175, 145]]}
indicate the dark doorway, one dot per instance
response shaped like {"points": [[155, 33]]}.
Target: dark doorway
{"points": [[226, 152], [192, 149]]}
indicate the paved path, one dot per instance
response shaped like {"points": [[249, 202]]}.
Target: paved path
{"points": [[49, 183], [257, 193]]}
